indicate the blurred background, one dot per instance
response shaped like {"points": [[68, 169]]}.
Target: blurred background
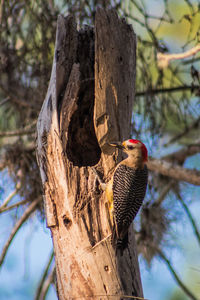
{"points": [[166, 117]]}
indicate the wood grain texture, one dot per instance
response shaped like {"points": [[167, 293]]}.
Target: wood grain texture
{"points": [[114, 77], [88, 103]]}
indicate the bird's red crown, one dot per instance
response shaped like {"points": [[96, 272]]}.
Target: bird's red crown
{"points": [[143, 148]]}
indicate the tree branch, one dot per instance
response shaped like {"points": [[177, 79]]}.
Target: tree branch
{"points": [[164, 59], [41, 284], [174, 171], [176, 277], [16, 132], [14, 99], [167, 90], [47, 284], [190, 217], [3, 209], [194, 125], [181, 155], [9, 198], [17, 226], [24, 131], [164, 192], [4, 101]]}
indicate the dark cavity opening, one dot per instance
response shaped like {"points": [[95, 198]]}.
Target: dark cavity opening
{"points": [[82, 146]]}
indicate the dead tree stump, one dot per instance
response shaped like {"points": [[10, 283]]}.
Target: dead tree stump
{"points": [[88, 104]]}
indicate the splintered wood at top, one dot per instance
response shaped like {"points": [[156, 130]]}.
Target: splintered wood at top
{"points": [[115, 59]]}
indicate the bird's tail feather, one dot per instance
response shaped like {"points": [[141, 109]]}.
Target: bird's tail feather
{"points": [[119, 243]]}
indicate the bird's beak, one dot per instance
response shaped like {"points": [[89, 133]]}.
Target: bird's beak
{"points": [[118, 145]]}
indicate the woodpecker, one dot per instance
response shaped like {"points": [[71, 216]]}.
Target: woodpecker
{"points": [[126, 189]]}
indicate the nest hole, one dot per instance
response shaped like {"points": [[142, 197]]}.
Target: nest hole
{"points": [[82, 146]]}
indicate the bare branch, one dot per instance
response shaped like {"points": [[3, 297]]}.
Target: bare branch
{"points": [[47, 284], [13, 206], [9, 198], [174, 171], [41, 284], [26, 130], [17, 226], [181, 155], [164, 59], [167, 90], [14, 99], [191, 61], [164, 192], [194, 125], [4, 101], [190, 217], [176, 277], [16, 132]]}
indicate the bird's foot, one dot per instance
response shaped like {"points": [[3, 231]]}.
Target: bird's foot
{"points": [[97, 178]]}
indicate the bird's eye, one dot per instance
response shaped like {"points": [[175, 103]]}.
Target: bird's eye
{"points": [[130, 147]]}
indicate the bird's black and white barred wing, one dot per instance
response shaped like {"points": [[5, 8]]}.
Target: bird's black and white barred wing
{"points": [[129, 188]]}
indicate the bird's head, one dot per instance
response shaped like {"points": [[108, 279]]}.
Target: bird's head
{"points": [[133, 148]]}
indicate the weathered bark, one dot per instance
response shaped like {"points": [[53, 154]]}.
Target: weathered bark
{"points": [[88, 103]]}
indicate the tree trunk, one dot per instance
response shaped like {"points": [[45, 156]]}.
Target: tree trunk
{"points": [[88, 104]]}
